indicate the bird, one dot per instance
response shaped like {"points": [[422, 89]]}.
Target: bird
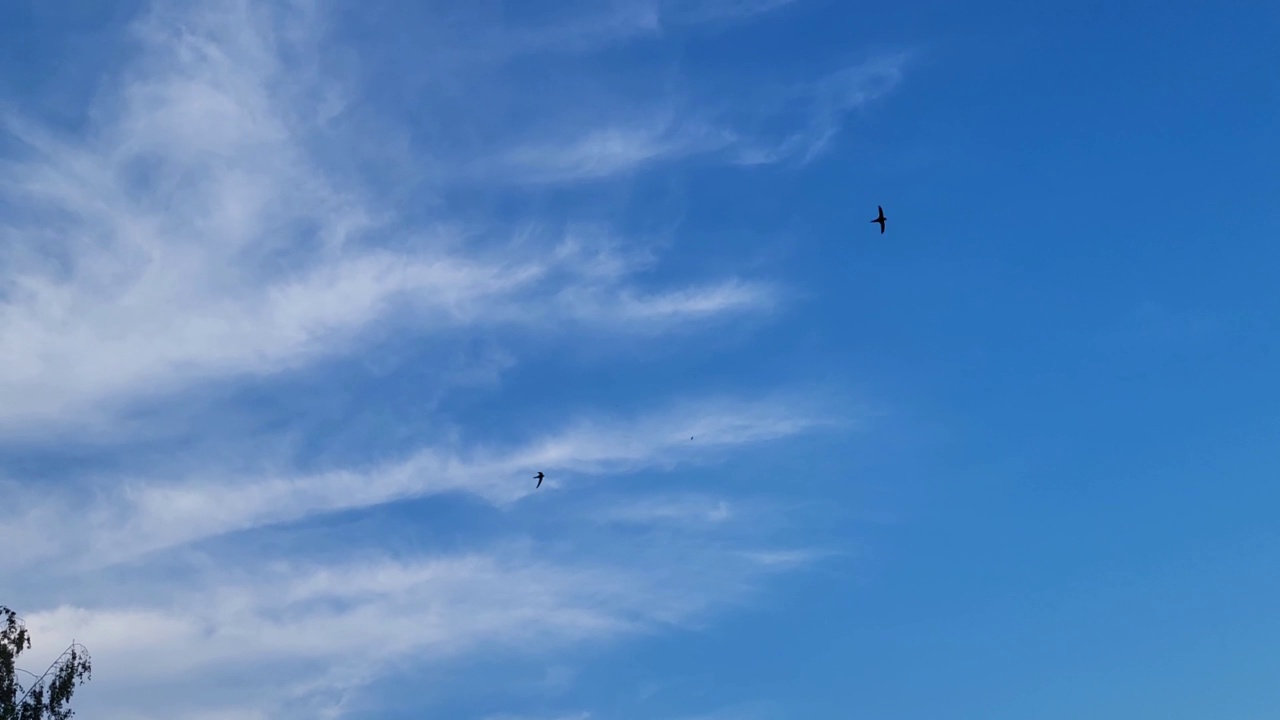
{"points": [[539, 477], [880, 219]]}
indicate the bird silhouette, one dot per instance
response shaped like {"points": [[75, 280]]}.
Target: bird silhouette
{"points": [[880, 219], [539, 476]]}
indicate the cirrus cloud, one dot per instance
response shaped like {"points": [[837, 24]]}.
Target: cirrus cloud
{"points": [[216, 223]]}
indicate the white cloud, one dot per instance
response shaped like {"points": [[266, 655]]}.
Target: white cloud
{"points": [[204, 227], [142, 516], [685, 509], [825, 104], [290, 631], [264, 624], [195, 232], [816, 110], [593, 26], [610, 151]]}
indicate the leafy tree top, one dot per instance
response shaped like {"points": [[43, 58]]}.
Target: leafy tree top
{"points": [[48, 696]]}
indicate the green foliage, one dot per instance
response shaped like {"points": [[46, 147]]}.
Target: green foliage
{"points": [[49, 695]]}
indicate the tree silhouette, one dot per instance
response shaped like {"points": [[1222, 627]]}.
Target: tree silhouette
{"points": [[48, 696]]}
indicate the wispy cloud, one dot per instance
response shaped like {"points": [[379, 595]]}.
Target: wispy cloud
{"points": [[610, 151], [297, 639], [825, 104], [684, 509], [793, 125], [273, 627], [211, 225], [143, 516], [195, 233], [591, 118], [596, 25]]}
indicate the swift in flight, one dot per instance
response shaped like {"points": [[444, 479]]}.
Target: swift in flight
{"points": [[539, 477], [880, 219]]}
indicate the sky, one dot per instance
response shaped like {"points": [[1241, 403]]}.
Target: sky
{"points": [[297, 296]]}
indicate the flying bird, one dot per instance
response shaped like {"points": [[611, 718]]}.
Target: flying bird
{"points": [[539, 477], [880, 219]]}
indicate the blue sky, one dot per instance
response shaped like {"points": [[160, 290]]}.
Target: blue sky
{"points": [[296, 297]]}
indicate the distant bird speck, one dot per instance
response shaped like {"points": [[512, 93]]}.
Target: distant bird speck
{"points": [[539, 476], [880, 219]]}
